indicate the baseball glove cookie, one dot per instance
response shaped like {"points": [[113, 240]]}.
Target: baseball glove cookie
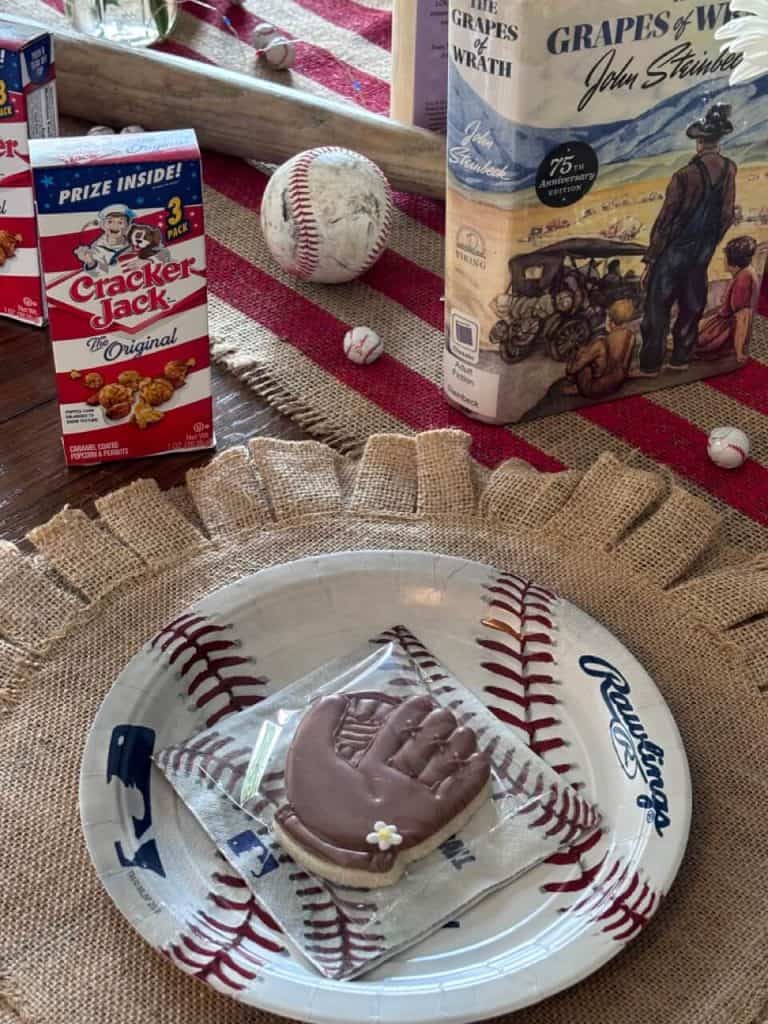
{"points": [[374, 782]]}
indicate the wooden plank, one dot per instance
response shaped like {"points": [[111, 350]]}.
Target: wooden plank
{"points": [[235, 113], [26, 369]]}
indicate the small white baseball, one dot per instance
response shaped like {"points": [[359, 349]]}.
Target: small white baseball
{"points": [[362, 345], [263, 35], [132, 129], [728, 447], [101, 129], [280, 54], [326, 214]]}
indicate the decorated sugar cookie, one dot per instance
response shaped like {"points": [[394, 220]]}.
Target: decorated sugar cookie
{"points": [[374, 782]]}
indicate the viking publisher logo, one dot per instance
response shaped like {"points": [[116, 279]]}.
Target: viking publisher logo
{"points": [[635, 752], [470, 246]]}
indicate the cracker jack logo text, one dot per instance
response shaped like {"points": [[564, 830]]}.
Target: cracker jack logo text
{"points": [[134, 293], [637, 754]]}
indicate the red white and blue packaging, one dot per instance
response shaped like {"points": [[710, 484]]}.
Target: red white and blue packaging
{"points": [[27, 111], [122, 242]]}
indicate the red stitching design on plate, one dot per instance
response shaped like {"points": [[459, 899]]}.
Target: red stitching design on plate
{"points": [[523, 616], [334, 930], [559, 813], [222, 944], [621, 901], [196, 647], [423, 657], [208, 758]]}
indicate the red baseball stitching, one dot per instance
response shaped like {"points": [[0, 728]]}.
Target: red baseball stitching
{"points": [[300, 198], [383, 236], [218, 946], [224, 946], [334, 931], [197, 641], [525, 615], [209, 759], [526, 619], [561, 815]]}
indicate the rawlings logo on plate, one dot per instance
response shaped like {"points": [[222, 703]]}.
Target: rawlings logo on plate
{"points": [[635, 751]]}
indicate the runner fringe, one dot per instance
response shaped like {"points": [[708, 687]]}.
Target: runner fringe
{"points": [[260, 380]]}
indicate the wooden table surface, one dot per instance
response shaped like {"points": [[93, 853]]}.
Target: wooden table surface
{"points": [[34, 479]]}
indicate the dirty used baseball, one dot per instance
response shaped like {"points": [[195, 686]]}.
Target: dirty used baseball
{"points": [[362, 345], [728, 447], [101, 129], [132, 129], [326, 214], [263, 35], [279, 54]]}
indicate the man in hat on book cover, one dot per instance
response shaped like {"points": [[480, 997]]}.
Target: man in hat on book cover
{"points": [[698, 209]]}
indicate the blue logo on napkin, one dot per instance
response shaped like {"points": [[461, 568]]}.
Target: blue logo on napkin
{"points": [[247, 841]]}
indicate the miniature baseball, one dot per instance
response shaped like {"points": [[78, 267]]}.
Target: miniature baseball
{"points": [[101, 129], [263, 35], [326, 214], [728, 447], [279, 54], [132, 129], [362, 345]]}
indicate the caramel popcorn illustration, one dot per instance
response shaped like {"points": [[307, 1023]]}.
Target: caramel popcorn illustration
{"points": [[156, 391], [8, 245], [116, 412], [144, 415], [130, 378], [176, 371], [115, 399], [75, 375], [93, 380]]}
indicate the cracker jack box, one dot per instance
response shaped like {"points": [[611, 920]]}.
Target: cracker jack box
{"points": [[27, 111], [607, 210], [122, 242]]}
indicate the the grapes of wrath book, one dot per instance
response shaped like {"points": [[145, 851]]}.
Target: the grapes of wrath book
{"points": [[607, 200]]}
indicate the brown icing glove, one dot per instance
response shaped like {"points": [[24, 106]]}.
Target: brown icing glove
{"points": [[365, 757]]}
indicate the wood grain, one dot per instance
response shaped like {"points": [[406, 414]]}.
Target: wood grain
{"points": [[35, 482], [235, 113]]}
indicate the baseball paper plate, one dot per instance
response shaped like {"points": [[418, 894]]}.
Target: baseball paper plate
{"points": [[554, 675]]}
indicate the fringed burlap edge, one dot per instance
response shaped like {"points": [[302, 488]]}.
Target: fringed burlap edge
{"points": [[650, 528], [273, 389]]}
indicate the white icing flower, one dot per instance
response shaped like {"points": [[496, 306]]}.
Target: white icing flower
{"points": [[748, 36], [384, 835]]}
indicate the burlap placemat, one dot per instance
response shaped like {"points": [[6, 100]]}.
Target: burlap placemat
{"points": [[641, 557]]}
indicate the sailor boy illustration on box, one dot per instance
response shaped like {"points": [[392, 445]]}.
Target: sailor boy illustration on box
{"points": [[122, 242]]}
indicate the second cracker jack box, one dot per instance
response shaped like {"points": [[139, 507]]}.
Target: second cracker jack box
{"points": [[27, 111], [122, 242]]}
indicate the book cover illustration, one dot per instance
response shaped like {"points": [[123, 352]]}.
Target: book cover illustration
{"points": [[607, 201]]}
